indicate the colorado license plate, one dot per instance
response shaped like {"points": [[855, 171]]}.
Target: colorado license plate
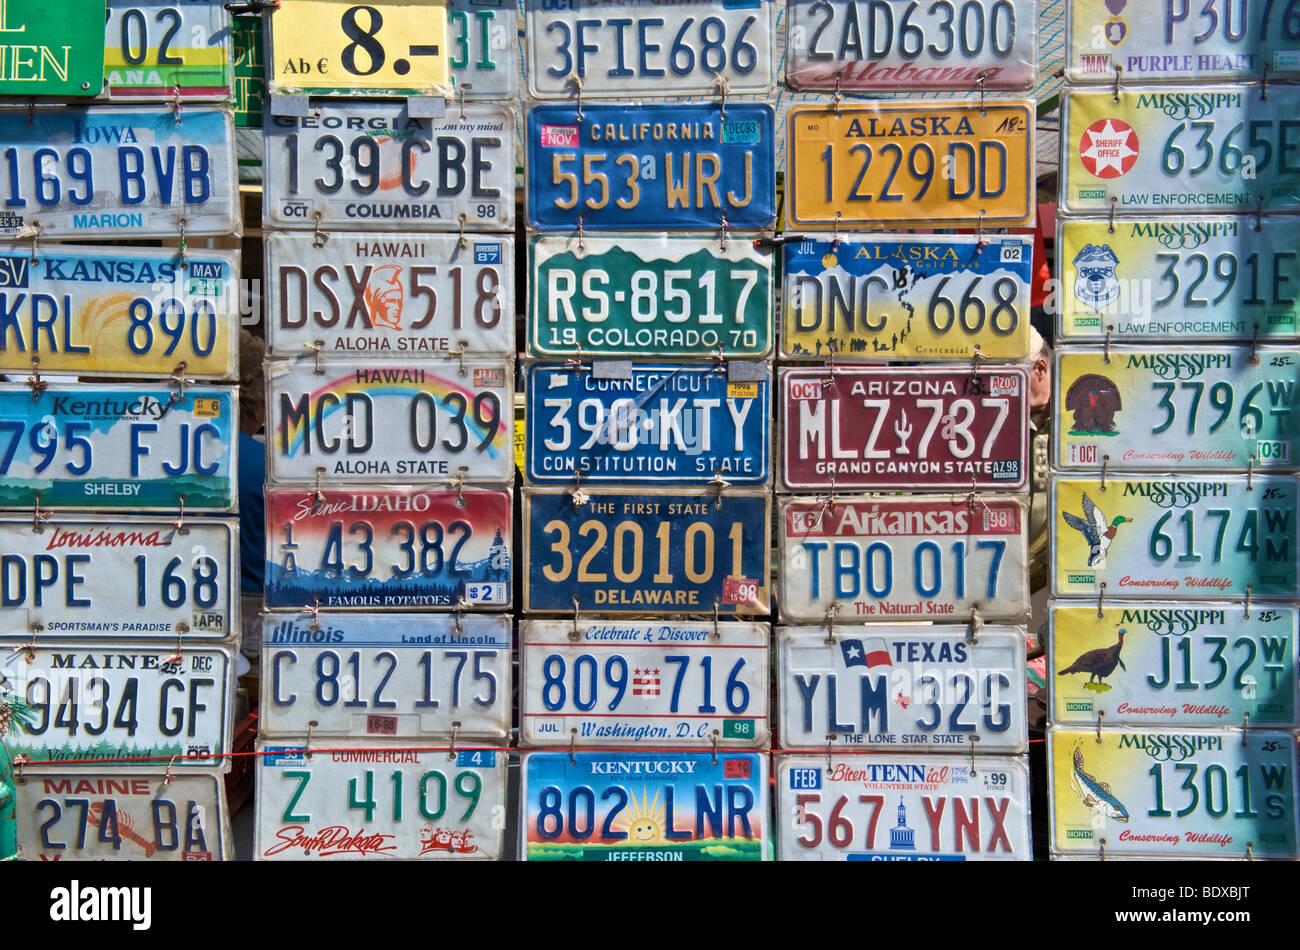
{"points": [[484, 48], [167, 49]]}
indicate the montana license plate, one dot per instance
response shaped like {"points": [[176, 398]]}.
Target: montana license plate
{"points": [[164, 50]]}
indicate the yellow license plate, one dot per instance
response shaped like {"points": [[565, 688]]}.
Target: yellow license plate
{"points": [[893, 163]]}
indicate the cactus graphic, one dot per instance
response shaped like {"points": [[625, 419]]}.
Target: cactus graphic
{"points": [[14, 713], [904, 432]]}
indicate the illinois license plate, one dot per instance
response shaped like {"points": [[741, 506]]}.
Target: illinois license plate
{"points": [[643, 806], [643, 683], [881, 163], [649, 295], [167, 49], [663, 424], [657, 166], [482, 36], [58, 49], [1173, 664]]}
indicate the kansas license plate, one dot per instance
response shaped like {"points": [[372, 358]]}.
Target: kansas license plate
{"points": [[643, 806], [167, 50], [482, 36], [947, 164], [658, 166], [643, 683], [57, 49]]}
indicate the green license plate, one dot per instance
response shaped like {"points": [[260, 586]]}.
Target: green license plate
{"points": [[51, 49]]}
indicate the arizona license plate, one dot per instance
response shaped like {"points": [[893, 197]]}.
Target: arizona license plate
{"points": [[166, 50], [881, 163], [482, 36], [61, 51], [643, 683], [657, 166], [904, 428], [642, 295], [1173, 664], [643, 806]]}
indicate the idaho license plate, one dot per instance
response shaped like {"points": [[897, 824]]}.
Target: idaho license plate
{"points": [[167, 49], [483, 37]]}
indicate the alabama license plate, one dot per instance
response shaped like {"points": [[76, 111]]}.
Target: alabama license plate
{"points": [[482, 36], [167, 50]]}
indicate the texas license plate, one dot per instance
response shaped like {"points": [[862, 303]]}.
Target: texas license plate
{"points": [[881, 163], [167, 50], [643, 683], [58, 49], [482, 36]]}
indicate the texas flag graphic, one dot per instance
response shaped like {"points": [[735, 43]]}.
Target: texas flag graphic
{"points": [[869, 653]]}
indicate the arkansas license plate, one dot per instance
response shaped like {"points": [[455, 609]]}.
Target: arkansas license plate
{"points": [[947, 164], [482, 36], [161, 50]]}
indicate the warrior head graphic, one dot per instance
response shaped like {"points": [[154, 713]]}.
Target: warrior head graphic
{"points": [[385, 296]]}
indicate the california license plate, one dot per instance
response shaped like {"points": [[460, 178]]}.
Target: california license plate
{"points": [[881, 163], [483, 39], [167, 49]]}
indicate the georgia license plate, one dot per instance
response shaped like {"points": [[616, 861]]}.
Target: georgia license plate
{"points": [[350, 801], [880, 163], [889, 559], [664, 551], [643, 683], [663, 424], [1173, 664], [372, 166], [58, 48], [643, 806], [482, 36], [167, 49], [408, 675], [640, 295], [899, 808], [657, 166], [915, 428], [1209, 793], [387, 547], [1201, 537]]}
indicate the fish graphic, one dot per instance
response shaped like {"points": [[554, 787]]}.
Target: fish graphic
{"points": [[1095, 794]]}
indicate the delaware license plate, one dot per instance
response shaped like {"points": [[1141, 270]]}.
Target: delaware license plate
{"points": [[923, 297], [58, 49], [167, 49], [904, 428], [484, 48], [882, 163], [643, 806], [657, 166], [1182, 665], [649, 295], [644, 683], [664, 424]]}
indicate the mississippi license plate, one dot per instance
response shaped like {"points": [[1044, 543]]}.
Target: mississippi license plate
{"points": [[643, 806], [387, 547], [683, 551], [664, 424], [1210, 793], [167, 49], [1182, 664], [947, 164], [1200, 537], [57, 49], [484, 48], [649, 295], [644, 683], [657, 166]]}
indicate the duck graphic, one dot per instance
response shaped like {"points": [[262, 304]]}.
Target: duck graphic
{"points": [[1094, 528]]}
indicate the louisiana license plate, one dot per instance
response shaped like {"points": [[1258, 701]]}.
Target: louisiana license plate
{"points": [[484, 48], [167, 50]]}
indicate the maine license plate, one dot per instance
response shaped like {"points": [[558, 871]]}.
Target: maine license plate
{"points": [[1173, 664], [353, 801], [372, 166], [684, 551], [944, 163], [166, 50], [387, 547], [644, 683], [1209, 793], [665, 424], [649, 295], [902, 808], [643, 806], [484, 48], [657, 166], [374, 674], [879, 297], [899, 427], [868, 560]]}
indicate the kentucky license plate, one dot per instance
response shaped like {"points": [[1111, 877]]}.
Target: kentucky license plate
{"points": [[482, 36], [163, 50]]}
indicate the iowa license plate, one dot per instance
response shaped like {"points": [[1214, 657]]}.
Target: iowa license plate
{"points": [[483, 41], [166, 49]]}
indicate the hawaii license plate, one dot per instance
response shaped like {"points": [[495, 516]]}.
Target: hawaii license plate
{"points": [[484, 48], [881, 163], [167, 50]]}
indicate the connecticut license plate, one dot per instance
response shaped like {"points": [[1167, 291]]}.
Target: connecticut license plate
{"points": [[167, 49]]}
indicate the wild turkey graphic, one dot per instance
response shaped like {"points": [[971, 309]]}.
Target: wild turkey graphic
{"points": [[1094, 400], [1098, 664]]}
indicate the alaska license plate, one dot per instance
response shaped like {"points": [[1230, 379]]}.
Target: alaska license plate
{"points": [[483, 38], [163, 50]]}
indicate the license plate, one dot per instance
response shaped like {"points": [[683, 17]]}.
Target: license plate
{"points": [[249, 70], [1218, 148], [646, 552], [649, 295], [874, 808], [904, 428], [387, 547], [881, 297], [644, 48], [644, 683], [889, 559], [1200, 537], [167, 49], [643, 806], [484, 48], [407, 675], [345, 803], [1211, 793], [663, 424], [946, 164], [57, 49], [906, 45], [104, 172], [371, 166], [1183, 664], [658, 166]]}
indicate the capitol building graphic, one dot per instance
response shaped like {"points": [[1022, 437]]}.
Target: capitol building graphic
{"points": [[900, 836]]}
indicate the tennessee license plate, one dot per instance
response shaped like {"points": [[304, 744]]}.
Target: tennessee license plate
{"points": [[166, 49], [482, 36]]}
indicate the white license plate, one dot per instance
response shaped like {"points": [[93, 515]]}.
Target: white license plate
{"points": [[158, 50], [482, 36]]}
